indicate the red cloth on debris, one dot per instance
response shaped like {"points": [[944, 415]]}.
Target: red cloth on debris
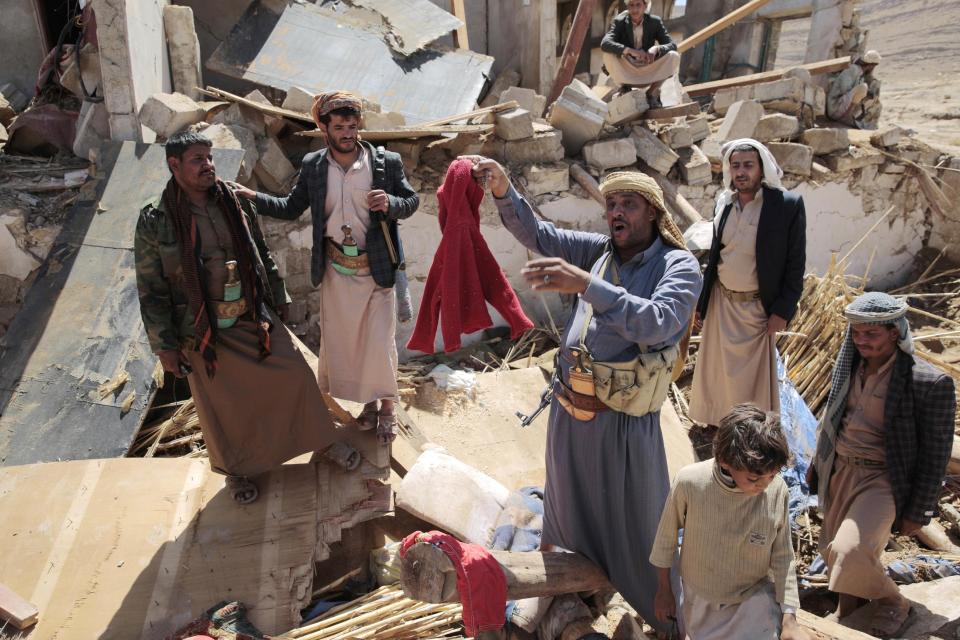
{"points": [[480, 580], [464, 272]]}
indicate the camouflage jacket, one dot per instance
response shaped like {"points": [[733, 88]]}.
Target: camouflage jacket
{"points": [[163, 302]]}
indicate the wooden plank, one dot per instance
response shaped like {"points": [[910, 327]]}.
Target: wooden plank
{"points": [[270, 110], [15, 609], [668, 113], [460, 35], [503, 106], [571, 49], [815, 68], [829, 630], [720, 25]]}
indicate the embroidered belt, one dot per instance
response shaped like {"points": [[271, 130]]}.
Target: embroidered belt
{"points": [[230, 310], [738, 296], [337, 256], [862, 462], [580, 401]]}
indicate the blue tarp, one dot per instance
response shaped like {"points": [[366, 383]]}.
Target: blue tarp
{"points": [[800, 427]]}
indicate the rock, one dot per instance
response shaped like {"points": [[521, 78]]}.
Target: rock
{"points": [[238, 114], [184, 50], [652, 150], [298, 99], [777, 126], [826, 141], [609, 154], [677, 136], [93, 128], [546, 178], [786, 95], [699, 128], [626, 107], [820, 173], [887, 137], [792, 157], [712, 148], [695, 166], [16, 98], [579, 114], [272, 124], [515, 124], [528, 99], [855, 158], [168, 113], [542, 147], [7, 114], [236, 137], [506, 79], [273, 170], [741, 120]]}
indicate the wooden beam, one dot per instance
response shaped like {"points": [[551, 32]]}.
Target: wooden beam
{"points": [[15, 609], [720, 25], [503, 106], [588, 182], [460, 35], [571, 49], [259, 106], [668, 113], [815, 68], [385, 135]]}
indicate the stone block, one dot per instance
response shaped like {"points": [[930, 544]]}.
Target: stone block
{"points": [[695, 166], [235, 136], [168, 113], [711, 148], [507, 78], [825, 141], [699, 128], [887, 137], [547, 178], [894, 167], [725, 98], [273, 169], [792, 157], [298, 99], [626, 107], [183, 49], [579, 115], [888, 181], [527, 98], [244, 116], [677, 136], [383, 121], [652, 150], [741, 120], [777, 126], [778, 90], [272, 124], [855, 158], [93, 128], [820, 173], [515, 124], [542, 147], [610, 154]]}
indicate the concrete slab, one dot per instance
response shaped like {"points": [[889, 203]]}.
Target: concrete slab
{"points": [[184, 50]]}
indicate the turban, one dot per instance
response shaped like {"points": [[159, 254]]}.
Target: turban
{"points": [[324, 103], [871, 57], [636, 182]]}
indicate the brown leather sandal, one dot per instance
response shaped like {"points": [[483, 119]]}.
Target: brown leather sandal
{"points": [[242, 489], [367, 419], [343, 455]]}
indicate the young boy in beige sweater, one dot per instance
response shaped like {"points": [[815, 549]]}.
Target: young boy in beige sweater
{"points": [[736, 561]]}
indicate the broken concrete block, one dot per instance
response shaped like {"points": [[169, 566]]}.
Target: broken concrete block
{"points": [[515, 124], [298, 99], [542, 147], [14, 96], [528, 99], [236, 137], [741, 120], [792, 157], [723, 98], [93, 127], [168, 113], [547, 178], [184, 50], [699, 128], [609, 154], [825, 141], [273, 169], [855, 158], [273, 124], [238, 114], [652, 150], [887, 137], [677, 136], [695, 166], [506, 79], [627, 106], [712, 148], [579, 115], [777, 126], [384, 121]]}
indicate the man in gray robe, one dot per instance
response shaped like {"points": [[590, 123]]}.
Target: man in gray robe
{"points": [[607, 475]]}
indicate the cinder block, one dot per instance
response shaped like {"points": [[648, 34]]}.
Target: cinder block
{"points": [[741, 120], [298, 99], [579, 115], [792, 157], [168, 113], [777, 126], [542, 147], [609, 154], [528, 99], [652, 150], [626, 107], [547, 178], [824, 141], [695, 166], [515, 124], [273, 170]]}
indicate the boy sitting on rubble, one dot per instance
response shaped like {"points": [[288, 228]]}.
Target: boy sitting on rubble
{"points": [[736, 560]]}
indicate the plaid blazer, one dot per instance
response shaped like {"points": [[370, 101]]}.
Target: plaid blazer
{"points": [[918, 422], [311, 191]]}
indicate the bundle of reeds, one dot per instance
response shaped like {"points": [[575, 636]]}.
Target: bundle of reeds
{"points": [[383, 614], [178, 434]]}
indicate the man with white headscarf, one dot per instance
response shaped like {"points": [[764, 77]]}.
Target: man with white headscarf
{"points": [[751, 287], [853, 96], [882, 451], [636, 288]]}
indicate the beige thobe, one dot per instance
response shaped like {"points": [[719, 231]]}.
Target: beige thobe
{"points": [[862, 509], [737, 361], [358, 349], [624, 72]]}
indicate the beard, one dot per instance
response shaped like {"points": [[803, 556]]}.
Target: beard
{"points": [[344, 146]]}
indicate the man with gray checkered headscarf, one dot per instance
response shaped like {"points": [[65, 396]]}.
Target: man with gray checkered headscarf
{"points": [[882, 450]]}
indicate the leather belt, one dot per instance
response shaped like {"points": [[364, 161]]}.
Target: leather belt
{"points": [[738, 296], [230, 310], [579, 400], [862, 462], [337, 256]]}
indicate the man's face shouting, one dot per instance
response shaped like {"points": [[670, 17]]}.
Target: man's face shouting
{"points": [[631, 220]]}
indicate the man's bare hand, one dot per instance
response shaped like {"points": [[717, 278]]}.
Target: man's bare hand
{"points": [[489, 174], [554, 274], [637, 56], [653, 52], [774, 324], [242, 191], [171, 362], [377, 200]]}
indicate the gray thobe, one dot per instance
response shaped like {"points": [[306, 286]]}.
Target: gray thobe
{"points": [[607, 478]]}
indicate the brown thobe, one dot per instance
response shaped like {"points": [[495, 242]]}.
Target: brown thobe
{"points": [[862, 510], [254, 414]]}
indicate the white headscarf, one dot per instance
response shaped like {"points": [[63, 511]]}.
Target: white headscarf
{"points": [[771, 171]]}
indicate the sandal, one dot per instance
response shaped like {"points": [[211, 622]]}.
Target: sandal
{"points": [[367, 419], [343, 455], [888, 619], [386, 428], [242, 489]]}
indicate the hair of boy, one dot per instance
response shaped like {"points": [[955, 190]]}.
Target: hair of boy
{"points": [[751, 439], [343, 112], [178, 143]]}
